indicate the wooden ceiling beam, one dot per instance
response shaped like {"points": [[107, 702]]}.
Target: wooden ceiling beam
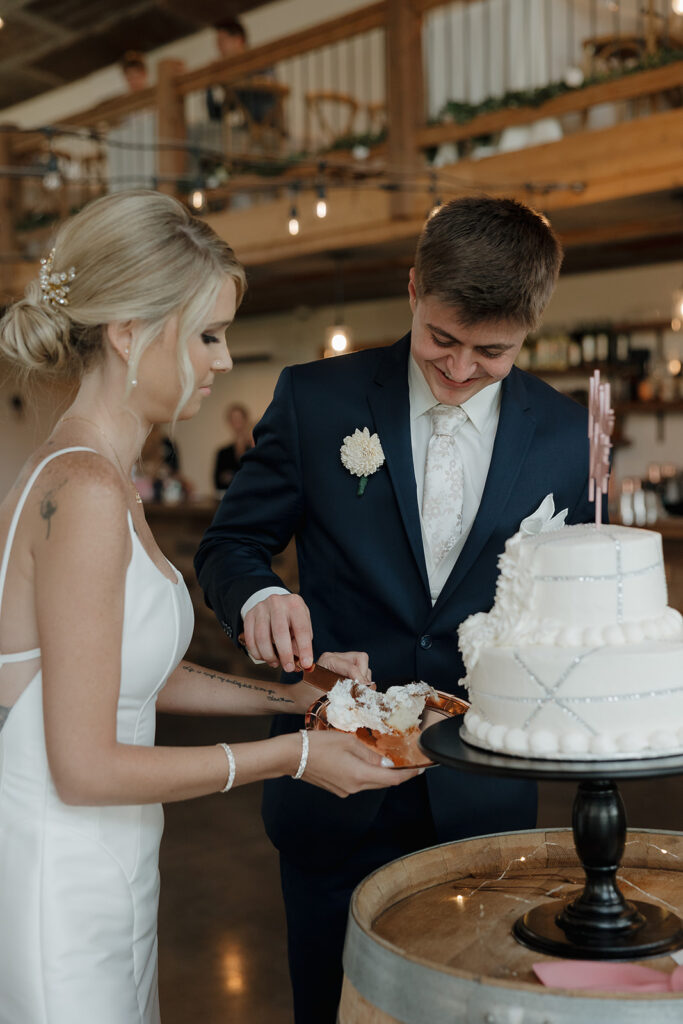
{"points": [[625, 231]]}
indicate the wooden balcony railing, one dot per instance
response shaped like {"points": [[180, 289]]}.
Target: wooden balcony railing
{"points": [[366, 101]]}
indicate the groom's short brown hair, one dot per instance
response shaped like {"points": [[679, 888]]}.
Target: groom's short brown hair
{"points": [[491, 259]]}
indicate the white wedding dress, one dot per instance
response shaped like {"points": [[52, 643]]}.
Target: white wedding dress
{"points": [[79, 885]]}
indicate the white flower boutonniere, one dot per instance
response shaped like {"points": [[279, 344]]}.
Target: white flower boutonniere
{"points": [[362, 455]]}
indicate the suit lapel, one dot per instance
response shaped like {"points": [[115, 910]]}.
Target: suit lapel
{"points": [[390, 404], [516, 426]]}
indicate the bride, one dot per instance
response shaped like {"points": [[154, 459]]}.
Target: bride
{"points": [[135, 300]]}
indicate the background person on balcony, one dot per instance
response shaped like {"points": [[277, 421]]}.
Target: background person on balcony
{"points": [[373, 573], [134, 69], [134, 300], [231, 41], [228, 459]]}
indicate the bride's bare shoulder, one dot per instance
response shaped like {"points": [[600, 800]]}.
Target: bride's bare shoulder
{"points": [[75, 489]]}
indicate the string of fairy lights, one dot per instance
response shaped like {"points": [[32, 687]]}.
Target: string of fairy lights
{"points": [[203, 189], [438, 185]]}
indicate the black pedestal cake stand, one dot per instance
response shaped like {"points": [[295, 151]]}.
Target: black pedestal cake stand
{"points": [[600, 924]]}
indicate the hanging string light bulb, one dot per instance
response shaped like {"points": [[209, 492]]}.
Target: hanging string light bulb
{"points": [[52, 179], [198, 199], [197, 196], [293, 223], [339, 340], [321, 205], [338, 336]]}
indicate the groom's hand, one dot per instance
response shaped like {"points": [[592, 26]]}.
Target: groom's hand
{"points": [[278, 628]]}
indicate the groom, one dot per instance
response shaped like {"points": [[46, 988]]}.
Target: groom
{"points": [[471, 447]]}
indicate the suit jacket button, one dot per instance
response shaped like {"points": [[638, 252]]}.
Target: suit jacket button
{"points": [[425, 642], [227, 629]]}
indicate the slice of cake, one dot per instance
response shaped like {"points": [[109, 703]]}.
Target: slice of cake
{"points": [[353, 705]]}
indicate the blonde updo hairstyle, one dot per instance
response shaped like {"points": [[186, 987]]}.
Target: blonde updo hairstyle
{"points": [[137, 255]]}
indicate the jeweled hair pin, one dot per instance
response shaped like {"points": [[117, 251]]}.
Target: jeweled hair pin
{"points": [[54, 286]]}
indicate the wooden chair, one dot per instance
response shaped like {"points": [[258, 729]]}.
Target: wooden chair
{"points": [[375, 117], [602, 54], [264, 94], [319, 106]]}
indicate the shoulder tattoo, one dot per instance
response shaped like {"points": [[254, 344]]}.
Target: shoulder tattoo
{"points": [[48, 506]]}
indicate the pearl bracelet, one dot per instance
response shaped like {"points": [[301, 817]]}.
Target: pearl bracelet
{"points": [[304, 754], [231, 762]]}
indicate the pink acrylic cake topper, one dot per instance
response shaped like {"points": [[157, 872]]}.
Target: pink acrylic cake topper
{"points": [[600, 426]]}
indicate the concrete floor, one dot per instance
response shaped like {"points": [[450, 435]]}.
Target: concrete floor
{"points": [[222, 953]]}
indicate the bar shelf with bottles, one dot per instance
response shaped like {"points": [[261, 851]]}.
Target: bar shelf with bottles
{"points": [[644, 378], [655, 502]]}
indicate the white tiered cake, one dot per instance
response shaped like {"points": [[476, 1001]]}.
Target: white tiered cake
{"points": [[580, 657]]}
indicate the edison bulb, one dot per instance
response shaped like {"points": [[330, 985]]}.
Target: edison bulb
{"points": [[197, 199], [339, 341]]}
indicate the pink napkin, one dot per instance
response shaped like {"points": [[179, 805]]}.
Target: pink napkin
{"points": [[608, 977]]}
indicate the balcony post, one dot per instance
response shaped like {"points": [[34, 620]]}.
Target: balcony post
{"points": [[405, 91], [9, 209], [171, 125]]}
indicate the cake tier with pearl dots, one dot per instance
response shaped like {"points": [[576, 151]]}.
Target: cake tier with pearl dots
{"points": [[580, 656]]}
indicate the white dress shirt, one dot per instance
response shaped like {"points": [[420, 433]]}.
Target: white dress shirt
{"points": [[475, 441]]}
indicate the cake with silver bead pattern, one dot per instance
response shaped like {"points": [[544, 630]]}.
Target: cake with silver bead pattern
{"points": [[580, 657]]}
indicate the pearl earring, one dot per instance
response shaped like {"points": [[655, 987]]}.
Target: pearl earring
{"points": [[217, 364], [133, 383]]}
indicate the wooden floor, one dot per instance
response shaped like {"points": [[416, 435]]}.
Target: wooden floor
{"points": [[222, 956]]}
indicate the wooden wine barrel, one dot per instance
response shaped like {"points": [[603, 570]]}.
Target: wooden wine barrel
{"points": [[429, 937]]}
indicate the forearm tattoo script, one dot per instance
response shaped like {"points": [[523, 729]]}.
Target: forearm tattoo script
{"points": [[241, 684]]}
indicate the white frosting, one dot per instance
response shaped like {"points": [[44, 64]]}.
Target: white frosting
{"points": [[573, 587], [353, 705], [578, 704], [580, 657]]}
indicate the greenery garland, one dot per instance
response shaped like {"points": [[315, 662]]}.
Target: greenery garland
{"points": [[462, 113]]}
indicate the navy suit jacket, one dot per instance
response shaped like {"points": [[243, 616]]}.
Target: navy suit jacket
{"points": [[361, 561]]}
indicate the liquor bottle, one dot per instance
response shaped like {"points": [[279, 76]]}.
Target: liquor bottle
{"points": [[588, 348], [622, 348], [602, 347]]}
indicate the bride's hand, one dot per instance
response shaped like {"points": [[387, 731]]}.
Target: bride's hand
{"points": [[342, 764], [347, 664]]}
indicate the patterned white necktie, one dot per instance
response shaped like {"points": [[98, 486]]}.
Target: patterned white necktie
{"points": [[444, 482]]}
